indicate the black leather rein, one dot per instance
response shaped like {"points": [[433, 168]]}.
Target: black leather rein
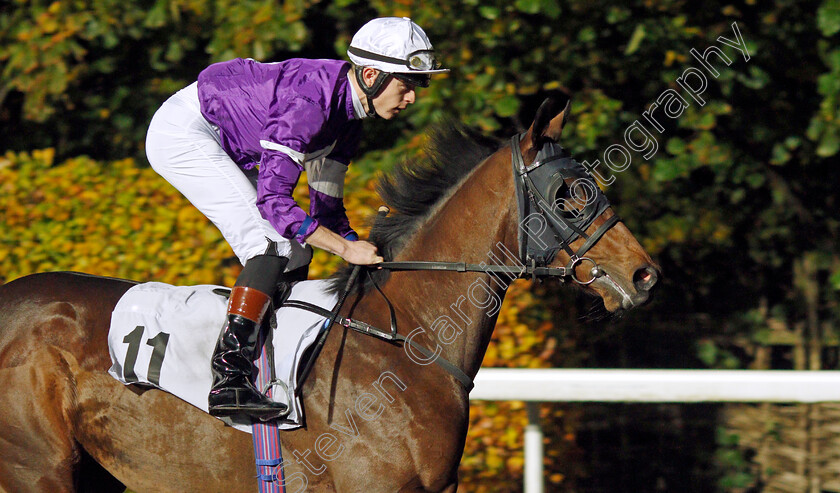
{"points": [[534, 267]]}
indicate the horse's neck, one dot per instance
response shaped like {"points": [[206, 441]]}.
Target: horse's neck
{"points": [[472, 225]]}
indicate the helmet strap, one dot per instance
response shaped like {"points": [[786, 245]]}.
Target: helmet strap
{"points": [[371, 90]]}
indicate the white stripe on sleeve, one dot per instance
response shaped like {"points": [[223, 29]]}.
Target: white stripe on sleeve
{"points": [[326, 176], [297, 157]]}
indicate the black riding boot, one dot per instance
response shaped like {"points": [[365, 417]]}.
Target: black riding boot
{"points": [[233, 392]]}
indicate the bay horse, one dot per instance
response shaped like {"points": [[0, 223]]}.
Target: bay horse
{"points": [[379, 418]]}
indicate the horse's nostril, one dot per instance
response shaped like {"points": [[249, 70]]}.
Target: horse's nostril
{"points": [[644, 278]]}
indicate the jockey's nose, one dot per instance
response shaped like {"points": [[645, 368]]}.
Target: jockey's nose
{"points": [[411, 96]]}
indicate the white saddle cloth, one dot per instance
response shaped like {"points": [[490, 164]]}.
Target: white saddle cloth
{"points": [[164, 335]]}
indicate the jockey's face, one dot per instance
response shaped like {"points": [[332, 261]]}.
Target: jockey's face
{"points": [[393, 98]]}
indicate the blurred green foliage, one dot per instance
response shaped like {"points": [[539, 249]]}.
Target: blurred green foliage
{"points": [[740, 189]]}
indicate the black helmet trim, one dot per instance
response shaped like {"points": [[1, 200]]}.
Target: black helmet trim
{"points": [[418, 61]]}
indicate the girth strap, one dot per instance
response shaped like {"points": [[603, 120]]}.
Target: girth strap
{"points": [[391, 337]]}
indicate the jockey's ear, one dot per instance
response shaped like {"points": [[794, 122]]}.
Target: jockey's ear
{"points": [[550, 120], [369, 75]]}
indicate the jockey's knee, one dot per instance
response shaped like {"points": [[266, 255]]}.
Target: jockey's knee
{"points": [[263, 272]]}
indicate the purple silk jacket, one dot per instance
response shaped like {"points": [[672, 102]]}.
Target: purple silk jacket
{"points": [[287, 116]]}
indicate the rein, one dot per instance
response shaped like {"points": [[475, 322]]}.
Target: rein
{"points": [[393, 337], [534, 265]]}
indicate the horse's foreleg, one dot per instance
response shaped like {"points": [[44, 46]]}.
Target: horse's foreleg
{"points": [[36, 442]]}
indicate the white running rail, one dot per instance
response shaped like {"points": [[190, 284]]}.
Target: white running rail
{"points": [[622, 385]]}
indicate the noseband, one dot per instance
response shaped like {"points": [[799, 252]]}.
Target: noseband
{"points": [[537, 187]]}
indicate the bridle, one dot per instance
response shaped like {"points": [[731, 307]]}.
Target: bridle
{"points": [[551, 170], [537, 187]]}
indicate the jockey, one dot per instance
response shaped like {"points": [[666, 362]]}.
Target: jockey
{"points": [[235, 142]]}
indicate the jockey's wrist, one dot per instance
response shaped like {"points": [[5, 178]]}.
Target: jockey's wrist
{"points": [[345, 247], [326, 239]]}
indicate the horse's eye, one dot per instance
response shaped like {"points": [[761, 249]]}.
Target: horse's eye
{"points": [[562, 194], [561, 197]]}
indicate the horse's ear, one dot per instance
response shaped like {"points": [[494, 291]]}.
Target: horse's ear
{"points": [[550, 120]]}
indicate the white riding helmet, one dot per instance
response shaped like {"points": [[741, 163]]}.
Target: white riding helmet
{"points": [[394, 45]]}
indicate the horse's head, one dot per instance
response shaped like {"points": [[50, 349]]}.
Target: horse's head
{"points": [[566, 222]]}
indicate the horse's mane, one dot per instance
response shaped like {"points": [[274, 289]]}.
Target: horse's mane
{"points": [[415, 186]]}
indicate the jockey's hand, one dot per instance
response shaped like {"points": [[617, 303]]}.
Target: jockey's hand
{"points": [[354, 252], [361, 253]]}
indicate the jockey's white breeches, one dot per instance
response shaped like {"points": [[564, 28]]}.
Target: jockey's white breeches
{"points": [[185, 149]]}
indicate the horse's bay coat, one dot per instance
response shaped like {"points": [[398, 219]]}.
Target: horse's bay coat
{"points": [[376, 419]]}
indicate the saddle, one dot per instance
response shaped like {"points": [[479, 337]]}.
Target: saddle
{"points": [[163, 336]]}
